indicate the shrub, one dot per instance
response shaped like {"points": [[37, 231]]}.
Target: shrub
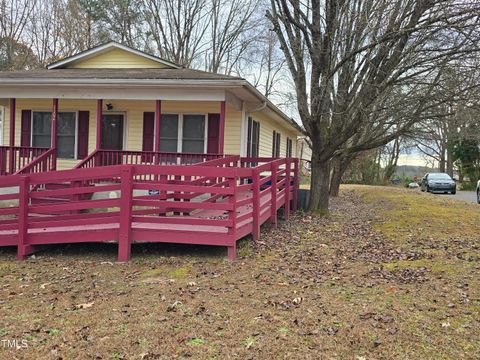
{"points": [[468, 186], [407, 180]]}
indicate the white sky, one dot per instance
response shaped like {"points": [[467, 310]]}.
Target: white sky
{"points": [[413, 159]]}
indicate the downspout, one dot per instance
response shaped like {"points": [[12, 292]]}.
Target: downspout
{"points": [[263, 106]]}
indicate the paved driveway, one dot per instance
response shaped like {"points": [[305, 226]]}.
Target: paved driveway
{"points": [[469, 196]]}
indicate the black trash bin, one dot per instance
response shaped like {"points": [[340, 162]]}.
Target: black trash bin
{"points": [[303, 197]]}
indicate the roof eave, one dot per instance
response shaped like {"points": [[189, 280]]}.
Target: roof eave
{"points": [[218, 83], [273, 107]]}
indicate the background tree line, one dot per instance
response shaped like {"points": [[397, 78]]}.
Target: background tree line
{"points": [[222, 36]]}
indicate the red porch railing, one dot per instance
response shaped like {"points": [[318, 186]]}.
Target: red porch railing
{"points": [[42, 163], [14, 158], [121, 157], [214, 203]]}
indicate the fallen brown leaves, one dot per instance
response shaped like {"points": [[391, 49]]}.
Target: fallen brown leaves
{"points": [[315, 287]]}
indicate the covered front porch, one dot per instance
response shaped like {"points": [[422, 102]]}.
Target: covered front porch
{"points": [[46, 135]]}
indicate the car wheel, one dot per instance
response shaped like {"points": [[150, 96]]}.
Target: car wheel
{"points": [[427, 189], [455, 191], [478, 196]]}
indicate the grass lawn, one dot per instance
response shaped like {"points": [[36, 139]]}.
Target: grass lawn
{"points": [[390, 273]]}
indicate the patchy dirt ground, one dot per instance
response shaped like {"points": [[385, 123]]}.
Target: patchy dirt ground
{"points": [[389, 274]]}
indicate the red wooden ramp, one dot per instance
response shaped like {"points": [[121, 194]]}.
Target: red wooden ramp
{"points": [[216, 202]]}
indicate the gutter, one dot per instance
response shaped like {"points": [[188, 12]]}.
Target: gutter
{"points": [[263, 106], [272, 106], [102, 82]]}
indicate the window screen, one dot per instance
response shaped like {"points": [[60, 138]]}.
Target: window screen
{"points": [[253, 140], [41, 132], [193, 134], [169, 133], [289, 147], [276, 144], [66, 135]]}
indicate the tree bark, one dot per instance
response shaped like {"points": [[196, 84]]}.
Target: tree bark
{"points": [[449, 163], [340, 165], [442, 162], [319, 185]]}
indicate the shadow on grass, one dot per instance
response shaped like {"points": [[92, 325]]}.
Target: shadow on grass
{"points": [[108, 251]]}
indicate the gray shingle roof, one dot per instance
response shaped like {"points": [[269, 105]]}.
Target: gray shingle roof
{"points": [[142, 74]]}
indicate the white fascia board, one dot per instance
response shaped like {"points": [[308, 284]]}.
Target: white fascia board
{"points": [[120, 93]]}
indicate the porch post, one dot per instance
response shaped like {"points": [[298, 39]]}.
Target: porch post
{"points": [[158, 114], [99, 124], [11, 142], [53, 141], [221, 133]]}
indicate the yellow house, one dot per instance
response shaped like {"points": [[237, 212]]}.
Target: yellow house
{"points": [[115, 98]]}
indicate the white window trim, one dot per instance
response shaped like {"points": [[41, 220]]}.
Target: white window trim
{"points": [[75, 143]]}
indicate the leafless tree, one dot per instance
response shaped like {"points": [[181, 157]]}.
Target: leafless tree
{"points": [[178, 28], [14, 17], [456, 118], [264, 64], [230, 32], [344, 56], [45, 30]]}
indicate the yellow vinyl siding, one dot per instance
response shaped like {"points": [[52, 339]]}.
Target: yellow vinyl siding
{"points": [[116, 58], [133, 110], [267, 126]]}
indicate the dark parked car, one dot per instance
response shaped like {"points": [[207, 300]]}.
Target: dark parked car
{"points": [[441, 182]]}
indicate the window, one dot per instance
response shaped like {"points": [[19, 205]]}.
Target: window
{"points": [[41, 132], [193, 134], [185, 133], [169, 133], [289, 147], [276, 144], [253, 138]]}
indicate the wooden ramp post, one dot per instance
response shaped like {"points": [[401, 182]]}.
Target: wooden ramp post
{"points": [[273, 207], [295, 184], [125, 230], [287, 188], [256, 204], [23, 249], [232, 249], [11, 161]]}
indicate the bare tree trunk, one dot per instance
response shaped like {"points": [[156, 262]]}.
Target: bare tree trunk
{"points": [[319, 185], [336, 180], [340, 165], [442, 162], [449, 164]]}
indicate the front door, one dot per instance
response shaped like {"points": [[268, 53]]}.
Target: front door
{"points": [[112, 132]]}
